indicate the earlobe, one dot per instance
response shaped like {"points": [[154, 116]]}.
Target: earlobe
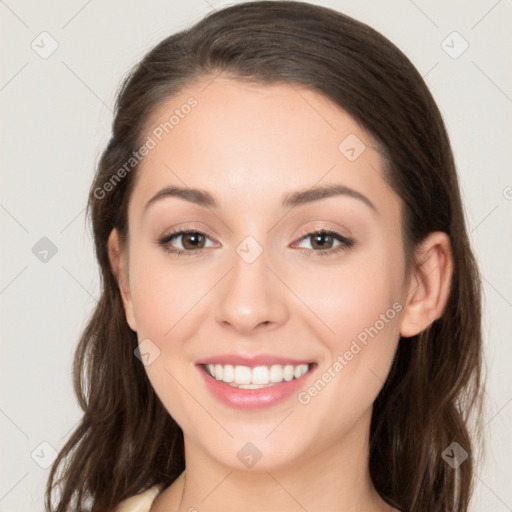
{"points": [[429, 285], [118, 263]]}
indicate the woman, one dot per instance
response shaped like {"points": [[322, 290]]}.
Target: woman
{"points": [[290, 311]]}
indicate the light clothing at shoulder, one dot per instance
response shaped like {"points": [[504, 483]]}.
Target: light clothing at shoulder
{"points": [[140, 502]]}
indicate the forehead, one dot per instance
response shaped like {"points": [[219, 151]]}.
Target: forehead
{"points": [[252, 142]]}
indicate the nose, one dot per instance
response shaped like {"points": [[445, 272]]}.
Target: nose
{"points": [[251, 297]]}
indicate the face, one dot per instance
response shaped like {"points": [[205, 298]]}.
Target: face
{"points": [[261, 280]]}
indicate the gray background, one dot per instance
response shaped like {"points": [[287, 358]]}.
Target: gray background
{"points": [[56, 114]]}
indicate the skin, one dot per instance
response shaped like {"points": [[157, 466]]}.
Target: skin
{"points": [[249, 145]]}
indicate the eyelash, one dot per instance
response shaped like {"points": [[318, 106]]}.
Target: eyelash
{"points": [[345, 244]]}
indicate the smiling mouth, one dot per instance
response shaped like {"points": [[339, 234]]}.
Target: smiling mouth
{"points": [[257, 377]]}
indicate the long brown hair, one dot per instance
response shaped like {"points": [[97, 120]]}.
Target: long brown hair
{"points": [[126, 441]]}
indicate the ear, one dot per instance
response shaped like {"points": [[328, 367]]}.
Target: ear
{"points": [[429, 284], [118, 261]]}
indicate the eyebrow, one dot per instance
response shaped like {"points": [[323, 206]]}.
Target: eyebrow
{"points": [[301, 197], [290, 200]]}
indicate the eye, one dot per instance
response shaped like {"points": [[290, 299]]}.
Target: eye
{"points": [[191, 240], [323, 242]]}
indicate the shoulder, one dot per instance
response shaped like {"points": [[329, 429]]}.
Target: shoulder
{"points": [[140, 502]]}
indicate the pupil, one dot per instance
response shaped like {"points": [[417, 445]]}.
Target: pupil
{"points": [[194, 236], [320, 237]]}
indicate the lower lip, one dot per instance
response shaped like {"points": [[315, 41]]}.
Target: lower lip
{"points": [[253, 398]]}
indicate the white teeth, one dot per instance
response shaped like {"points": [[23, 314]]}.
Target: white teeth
{"points": [[228, 373], [276, 373], [288, 372], [242, 375], [300, 371], [260, 376]]}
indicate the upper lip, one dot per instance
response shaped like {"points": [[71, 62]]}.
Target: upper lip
{"points": [[255, 360]]}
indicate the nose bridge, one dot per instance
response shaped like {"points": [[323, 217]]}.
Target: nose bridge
{"points": [[251, 295]]}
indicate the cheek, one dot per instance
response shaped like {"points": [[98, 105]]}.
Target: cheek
{"points": [[359, 308], [163, 298], [350, 297], [162, 293]]}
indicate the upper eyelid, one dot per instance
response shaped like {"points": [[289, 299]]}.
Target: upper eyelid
{"points": [[182, 231], [322, 229]]}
